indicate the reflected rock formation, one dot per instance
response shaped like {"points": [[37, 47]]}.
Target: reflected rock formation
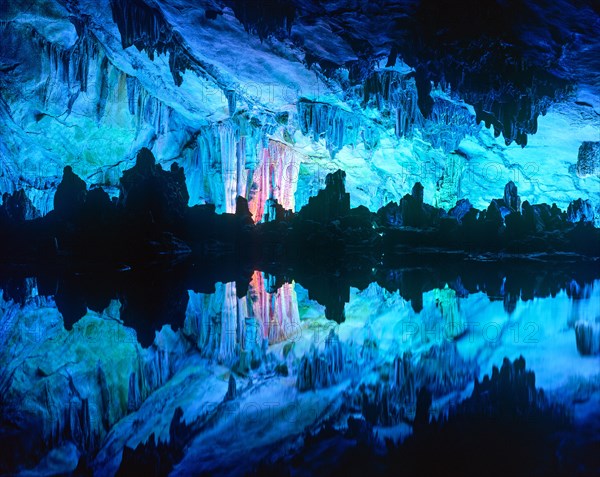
{"points": [[70, 392], [291, 237]]}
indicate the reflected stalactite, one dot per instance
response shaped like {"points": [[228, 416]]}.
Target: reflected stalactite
{"points": [[224, 325], [83, 403], [276, 313], [220, 289]]}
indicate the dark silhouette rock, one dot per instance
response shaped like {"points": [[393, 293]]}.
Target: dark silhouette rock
{"points": [[70, 303], [412, 211], [330, 203], [389, 215], [542, 214], [359, 218], [515, 225], [152, 222], [417, 193], [151, 193], [557, 218], [70, 195], [415, 213], [470, 219], [511, 198], [98, 208], [242, 211], [493, 218], [528, 217]]}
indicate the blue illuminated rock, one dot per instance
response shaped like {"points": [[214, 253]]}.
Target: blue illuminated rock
{"points": [[462, 207], [580, 210], [138, 74], [17, 207]]}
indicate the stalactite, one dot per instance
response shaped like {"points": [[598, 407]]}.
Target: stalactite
{"points": [[227, 348], [259, 190], [322, 370], [337, 126], [276, 177], [229, 166], [448, 124], [211, 321], [52, 428], [82, 82], [396, 93], [286, 165], [404, 376], [234, 159], [145, 27], [145, 108]]}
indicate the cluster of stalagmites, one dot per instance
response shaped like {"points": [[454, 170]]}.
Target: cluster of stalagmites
{"points": [[144, 220], [507, 224], [151, 218], [506, 215]]}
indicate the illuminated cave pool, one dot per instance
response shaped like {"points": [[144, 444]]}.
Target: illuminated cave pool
{"points": [[225, 383]]}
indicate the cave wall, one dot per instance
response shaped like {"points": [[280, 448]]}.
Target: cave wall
{"points": [[89, 83]]}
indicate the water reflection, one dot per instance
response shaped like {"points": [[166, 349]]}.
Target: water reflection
{"points": [[92, 364]]}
